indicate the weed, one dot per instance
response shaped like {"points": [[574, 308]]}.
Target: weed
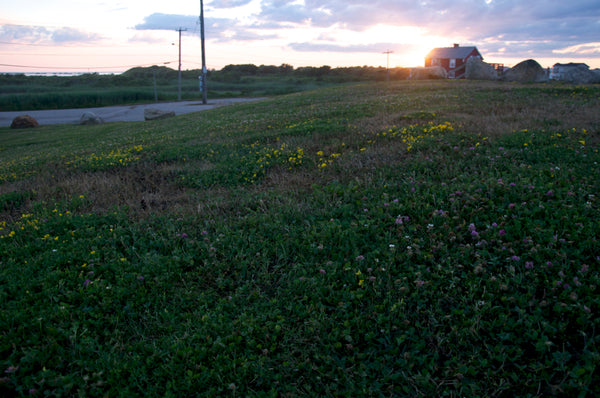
{"points": [[368, 240]]}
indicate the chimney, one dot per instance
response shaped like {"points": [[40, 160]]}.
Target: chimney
{"points": [[455, 45]]}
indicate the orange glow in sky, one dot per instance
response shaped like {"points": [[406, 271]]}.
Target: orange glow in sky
{"points": [[115, 35]]}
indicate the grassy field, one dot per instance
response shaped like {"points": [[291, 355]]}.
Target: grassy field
{"points": [[411, 239], [147, 85]]}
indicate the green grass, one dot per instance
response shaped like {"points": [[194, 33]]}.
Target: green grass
{"points": [[145, 85], [411, 239]]}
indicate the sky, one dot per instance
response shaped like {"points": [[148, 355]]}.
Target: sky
{"points": [[109, 36]]}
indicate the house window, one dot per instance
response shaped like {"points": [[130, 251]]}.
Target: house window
{"points": [[452, 63]]}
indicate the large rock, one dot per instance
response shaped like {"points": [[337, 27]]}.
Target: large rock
{"points": [[90, 118], [155, 114], [528, 71], [476, 69], [430, 72], [580, 74], [23, 122]]}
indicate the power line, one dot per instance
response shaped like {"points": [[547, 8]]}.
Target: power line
{"points": [[29, 44], [84, 68], [73, 46], [75, 55]]}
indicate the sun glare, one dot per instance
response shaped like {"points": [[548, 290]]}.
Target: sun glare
{"points": [[409, 44]]}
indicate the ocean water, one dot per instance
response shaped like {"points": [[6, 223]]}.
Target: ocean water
{"points": [[65, 74]]}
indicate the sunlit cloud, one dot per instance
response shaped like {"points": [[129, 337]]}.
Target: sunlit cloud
{"points": [[581, 49]]}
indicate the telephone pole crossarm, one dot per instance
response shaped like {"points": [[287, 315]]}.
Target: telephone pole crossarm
{"points": [[388, 52]]}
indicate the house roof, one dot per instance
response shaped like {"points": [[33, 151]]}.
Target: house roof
{"points": [[456, 52]]}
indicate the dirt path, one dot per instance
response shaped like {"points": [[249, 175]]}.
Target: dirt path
{"points": [[130, 113]]}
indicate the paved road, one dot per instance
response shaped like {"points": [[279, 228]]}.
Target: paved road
{"points": [[130, 113]]}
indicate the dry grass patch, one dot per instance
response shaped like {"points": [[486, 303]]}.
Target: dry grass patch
{"points": [[143, 189]]}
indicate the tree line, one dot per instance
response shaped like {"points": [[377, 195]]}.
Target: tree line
{"points": [[325, 72], [232, 73]]}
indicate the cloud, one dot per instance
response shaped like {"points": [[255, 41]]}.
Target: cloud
{"points": [[282, 11], [217, 29], [581, 49], [523, 49], [460, 17], [70, 35], [527, 28], [42, 35], [248, 35], [512, 19], [357, 15], [230, 3], [158, 21], [23, 33], [532, 28], [146, 38], [576, 29], [375, 48]]}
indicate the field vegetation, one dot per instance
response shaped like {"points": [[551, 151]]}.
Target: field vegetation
{"points": [[411, 239], [139, 85]]}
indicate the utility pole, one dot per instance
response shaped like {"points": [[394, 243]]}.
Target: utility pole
{"points": [[388, 52], [154, 78], [179, 74], [203, 77]]}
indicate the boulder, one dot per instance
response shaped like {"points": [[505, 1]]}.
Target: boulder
{"points": [[476, 69], [430, 72], [23, 122], [155, 114], [581, 74], [528, 71], [90, 118]]}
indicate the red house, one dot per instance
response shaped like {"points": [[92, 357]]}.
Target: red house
{"points": [[453, 59]]}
